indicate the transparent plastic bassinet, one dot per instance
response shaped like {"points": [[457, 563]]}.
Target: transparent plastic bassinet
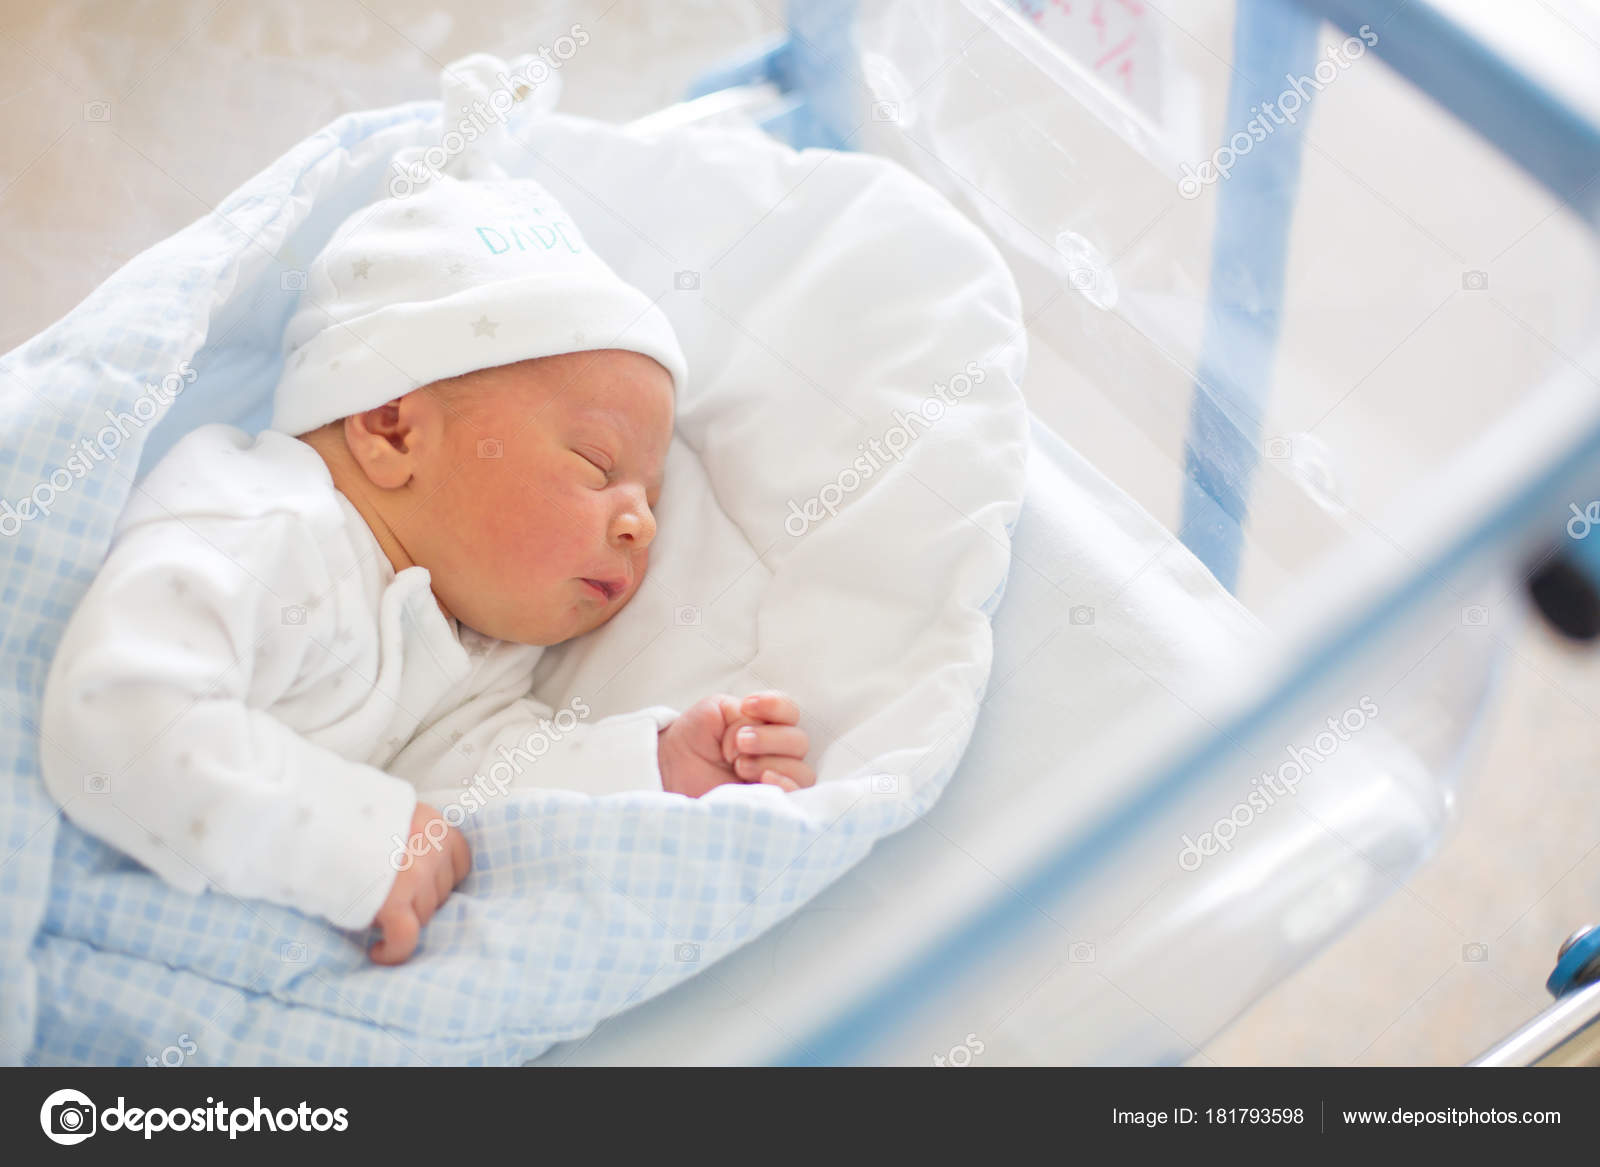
{"points": [[1341, 345]]}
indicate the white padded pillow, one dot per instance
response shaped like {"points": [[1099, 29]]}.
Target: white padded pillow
{"points": [[831, 539]]}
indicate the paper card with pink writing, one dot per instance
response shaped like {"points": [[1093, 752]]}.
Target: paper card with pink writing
{"points": [[1119, 41]]}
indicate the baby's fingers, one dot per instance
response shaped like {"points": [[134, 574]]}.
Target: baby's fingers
{"points": [[755, 769], [773, 739], [730, 741], [771, 706], [732, 722], [782, 781], [401, 928]]}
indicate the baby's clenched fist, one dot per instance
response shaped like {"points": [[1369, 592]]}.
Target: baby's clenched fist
{"points": [[440, 859], [722, 739]]}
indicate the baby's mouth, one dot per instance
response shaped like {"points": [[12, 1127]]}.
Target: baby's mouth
{"points": [[606, 590]]}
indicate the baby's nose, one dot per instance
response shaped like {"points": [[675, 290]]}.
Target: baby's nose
{"points": [[635, 526]]}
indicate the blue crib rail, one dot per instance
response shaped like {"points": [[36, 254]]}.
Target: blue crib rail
{"points": [[1523, 114], [814, 67], [1244, 308]]}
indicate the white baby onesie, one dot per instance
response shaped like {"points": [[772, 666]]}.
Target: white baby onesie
{"points": [[249, 698]]}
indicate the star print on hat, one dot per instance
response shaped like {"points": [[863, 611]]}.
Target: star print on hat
{"points": [[456, 275]]}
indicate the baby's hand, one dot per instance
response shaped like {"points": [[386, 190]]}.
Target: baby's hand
{"points": [[722, 739], [421, 888]]}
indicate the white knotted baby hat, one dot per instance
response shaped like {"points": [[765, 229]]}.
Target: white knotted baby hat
{"points": [[458, 268]]}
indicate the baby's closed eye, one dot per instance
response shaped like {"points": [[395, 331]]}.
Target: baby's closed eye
{"points": [[597, 462]]}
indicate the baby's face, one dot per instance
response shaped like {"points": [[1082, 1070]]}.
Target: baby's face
{"points": [[539, 525]]}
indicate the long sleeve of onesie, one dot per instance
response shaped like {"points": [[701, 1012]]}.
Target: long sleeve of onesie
{"points": [[500, 742], [156, 738], [493, 736], [248, 698]]}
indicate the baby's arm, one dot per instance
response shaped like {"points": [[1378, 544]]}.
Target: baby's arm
{"points": [[504, 740], [155, 736], [493, 745]]}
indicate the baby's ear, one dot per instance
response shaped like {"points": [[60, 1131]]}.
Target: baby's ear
{"points": [[389, 441]]}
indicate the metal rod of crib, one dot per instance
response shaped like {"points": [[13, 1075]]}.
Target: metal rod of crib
{"points": [[1565, 1034]]}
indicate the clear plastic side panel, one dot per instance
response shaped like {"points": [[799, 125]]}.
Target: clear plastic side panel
{"points": [[1426, 282], [1145, 890]]}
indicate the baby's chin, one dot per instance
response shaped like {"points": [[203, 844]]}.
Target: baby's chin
{"points": [[539, 616], [573, 623], [590, 621]]}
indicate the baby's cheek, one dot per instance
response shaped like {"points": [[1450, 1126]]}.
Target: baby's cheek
{"points": [[553, 531], [554, 543]]}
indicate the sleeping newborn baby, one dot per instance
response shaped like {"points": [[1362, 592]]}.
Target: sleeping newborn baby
{"points": [[300, 643]]}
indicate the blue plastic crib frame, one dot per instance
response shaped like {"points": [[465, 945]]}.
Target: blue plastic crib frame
{"points": [[1523, 114]]}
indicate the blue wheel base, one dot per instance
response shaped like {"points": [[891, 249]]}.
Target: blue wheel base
{"points": [[1565, 976]]}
